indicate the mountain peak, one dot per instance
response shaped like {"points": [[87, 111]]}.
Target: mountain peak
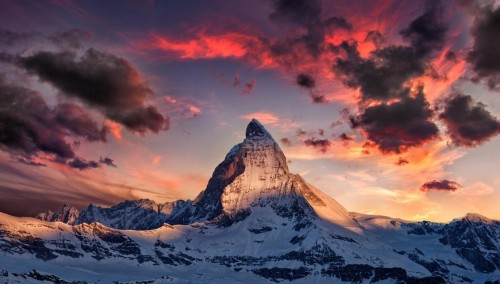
{"points": [[476, 218], [256, 130], [68, 214]]}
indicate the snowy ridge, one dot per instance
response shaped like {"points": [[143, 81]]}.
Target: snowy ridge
{"points": [[254, 222], [140, 214]]}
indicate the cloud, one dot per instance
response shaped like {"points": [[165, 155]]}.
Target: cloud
{"points": [[263, 117], [392, 118], [81, 164], [27, 124], [322, 145], [10, 38], [376, 38], [345, 137], [306, 81], [402, 162], [427, 32], [104, 81], [476, 189], [285, 141], [79, 122], [205, 45], [468, 123], [395, 127], [443, 185], [305, 14], [107, 161], [180, 106], [383, 75], [71, 38], [28, 162], [485, 54], [31, 130], [248, 88]]}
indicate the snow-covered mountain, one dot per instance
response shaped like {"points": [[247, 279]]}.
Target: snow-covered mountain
{"points": [[67, 214], [143, 214], [254, 222]]}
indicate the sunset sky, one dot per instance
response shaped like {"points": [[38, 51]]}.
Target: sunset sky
{"points": [[389, 107]]}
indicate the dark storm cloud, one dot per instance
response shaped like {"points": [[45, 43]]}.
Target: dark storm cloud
{"points": [[443, 185], [345, 137], [79, 122], [104, 81], [376, 38], [468, 123], [406, 121], [427, 32], [306, 81], [451, 56], [27, 124], [304, 39], [30, 129], [322, 145], [396, 126], [70, 38], [485, 54], [107, 161], [305, 14], [382, 76], [81, 164], [337, 23]]}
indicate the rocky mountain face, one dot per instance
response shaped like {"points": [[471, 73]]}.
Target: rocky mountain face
{"points": [[67, 214], [254, 222], [143, 214]]}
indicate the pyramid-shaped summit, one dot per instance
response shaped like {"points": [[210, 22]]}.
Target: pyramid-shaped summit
{"points": [[255, 174], [256, 130]]}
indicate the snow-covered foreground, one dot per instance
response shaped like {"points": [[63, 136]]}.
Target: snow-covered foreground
{"points": [[255, 222]]}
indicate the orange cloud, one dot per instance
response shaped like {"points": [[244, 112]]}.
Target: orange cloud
{"points": [[263, 117], [114, 128], [207, 46], [179, 106]]}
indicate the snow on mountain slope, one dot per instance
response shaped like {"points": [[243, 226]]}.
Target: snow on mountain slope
{"points": [[467, 248], [254, 222]]}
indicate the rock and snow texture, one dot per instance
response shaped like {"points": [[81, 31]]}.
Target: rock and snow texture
{"points": [[254, 222], [67, 214], [143, 214]]}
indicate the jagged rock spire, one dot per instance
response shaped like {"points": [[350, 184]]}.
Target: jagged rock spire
{"points": [[256, 130]]}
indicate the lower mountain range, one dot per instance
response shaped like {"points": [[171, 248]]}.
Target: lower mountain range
{"points": [[255, 222]]}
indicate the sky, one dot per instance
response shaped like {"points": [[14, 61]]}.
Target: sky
{"points": [[389, 107]]}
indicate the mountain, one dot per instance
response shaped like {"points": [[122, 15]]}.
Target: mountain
{"points": [[143, 214], [67, 214], [254, 222]]}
